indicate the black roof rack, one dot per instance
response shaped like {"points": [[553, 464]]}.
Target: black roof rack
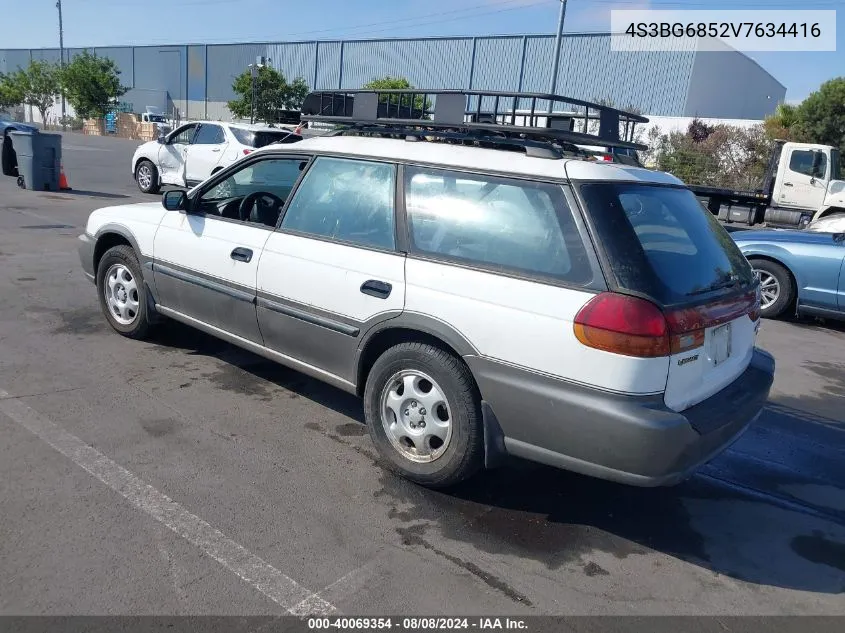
{"points": [[541, 124]]}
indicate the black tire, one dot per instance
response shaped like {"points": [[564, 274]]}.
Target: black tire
{"points": [[786, 287], [154, 186], [8, 157], [141, 324], [464, 453]]}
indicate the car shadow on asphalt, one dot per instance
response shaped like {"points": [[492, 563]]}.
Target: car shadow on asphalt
{"points": [[733, 518]]}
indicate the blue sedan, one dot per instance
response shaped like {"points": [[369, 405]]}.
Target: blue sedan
{"points": [[801, 272]]}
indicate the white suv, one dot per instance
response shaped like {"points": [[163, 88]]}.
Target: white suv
{"points": [[483, 302], [193, 152]]}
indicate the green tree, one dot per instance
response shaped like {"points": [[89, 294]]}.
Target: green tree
{"points": [[822, 114], [784, 124], [10, 94], [272, 93], [38, 85], [395, 83], [91, 84]]}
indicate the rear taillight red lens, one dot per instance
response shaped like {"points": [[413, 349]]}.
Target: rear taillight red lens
{"points": [[635, 327], [247, 151], [623, 325]]}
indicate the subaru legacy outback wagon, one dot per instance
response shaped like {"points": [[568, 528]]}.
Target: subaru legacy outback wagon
{"points": [[483, 292]]}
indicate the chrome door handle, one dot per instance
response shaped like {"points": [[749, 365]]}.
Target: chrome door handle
{"points": [[216, 149], [787, 184]]}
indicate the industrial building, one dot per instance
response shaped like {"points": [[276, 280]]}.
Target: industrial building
{"points": [[197, 79]]}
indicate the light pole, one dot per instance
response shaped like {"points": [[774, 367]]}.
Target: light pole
{"points": [[61, 56], [556, 62], [260, 62]]}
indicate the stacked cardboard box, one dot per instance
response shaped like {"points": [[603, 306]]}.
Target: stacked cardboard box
{"points": [[126, 125], [94, 127]]}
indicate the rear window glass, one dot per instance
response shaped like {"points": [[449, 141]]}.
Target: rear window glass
{"points": [[662, 243], [255, 139], [501, 224]]}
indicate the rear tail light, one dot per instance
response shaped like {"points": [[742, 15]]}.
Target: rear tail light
{"points": [[623, 325], [248, 151], [635, 327]]}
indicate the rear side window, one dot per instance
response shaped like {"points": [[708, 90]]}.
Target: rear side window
{"points": [[263, 137], [244, 137], [662, 243], [346, 200], [500, 224]]}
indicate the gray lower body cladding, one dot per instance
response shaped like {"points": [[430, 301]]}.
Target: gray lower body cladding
{"points": [[631, 439]]}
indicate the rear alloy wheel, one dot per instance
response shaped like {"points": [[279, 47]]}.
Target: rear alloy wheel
{"points": [[777, 290], [423, 412], [146, 175]]}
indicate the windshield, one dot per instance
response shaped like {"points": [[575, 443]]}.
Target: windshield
{"points": [[662, 243], [156, 118]]}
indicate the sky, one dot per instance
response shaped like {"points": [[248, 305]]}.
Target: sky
{"points": [[90, 23]]}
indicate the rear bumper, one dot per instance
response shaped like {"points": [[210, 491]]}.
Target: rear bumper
{"points": [[86, 256], [635, 440]]}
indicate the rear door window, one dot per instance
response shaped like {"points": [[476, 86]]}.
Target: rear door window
{"points": [[662, 243], [501, 224]]}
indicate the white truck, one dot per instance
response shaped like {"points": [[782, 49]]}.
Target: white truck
{"points": [[803, 182], [154, 115]]}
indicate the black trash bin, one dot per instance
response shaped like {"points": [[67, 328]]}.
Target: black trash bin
{"points": [[39, 159]]}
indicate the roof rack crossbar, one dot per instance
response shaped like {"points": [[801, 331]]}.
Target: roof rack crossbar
{"points": [[568, 120]]}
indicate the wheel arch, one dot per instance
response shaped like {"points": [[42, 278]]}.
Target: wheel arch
{"points": [[143, 157], [415, 327], [789, 271], [404, 328], [111, 235]]}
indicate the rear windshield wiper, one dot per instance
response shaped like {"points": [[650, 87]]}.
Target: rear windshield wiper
{"points": [[728, 282]]}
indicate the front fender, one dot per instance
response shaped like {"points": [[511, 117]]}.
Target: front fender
{"points": [[149, 151], [835, 196]]}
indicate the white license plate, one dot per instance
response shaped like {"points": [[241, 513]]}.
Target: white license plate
{"points": [[720, 344]]}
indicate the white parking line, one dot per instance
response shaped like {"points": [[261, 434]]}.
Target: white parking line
{"points": [[281, 589]]}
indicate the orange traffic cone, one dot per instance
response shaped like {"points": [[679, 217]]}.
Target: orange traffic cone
{"points": [[63, 184]]}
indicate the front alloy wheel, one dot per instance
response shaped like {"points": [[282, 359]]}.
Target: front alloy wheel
{"points": [[121, 294], [123, 297]]}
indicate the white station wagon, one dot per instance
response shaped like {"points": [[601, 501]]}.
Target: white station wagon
{"points": [[510, 299]]}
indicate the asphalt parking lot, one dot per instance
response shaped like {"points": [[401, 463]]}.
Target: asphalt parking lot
{"points": [[184, 476]]}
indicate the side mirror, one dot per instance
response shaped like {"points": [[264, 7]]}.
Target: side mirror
{"points": [[174, 201], [162, 139]]}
